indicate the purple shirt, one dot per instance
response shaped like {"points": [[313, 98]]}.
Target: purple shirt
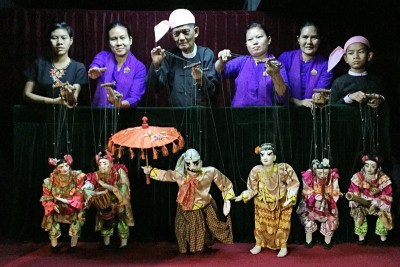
{"points": [[252, 87], [130, 79], [304, 77]]}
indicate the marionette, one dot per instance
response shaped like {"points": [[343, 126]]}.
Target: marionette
{"points": [[274, 187], [63, 200], [370, 193], [197, 224], [318, 205], [111, 197]]}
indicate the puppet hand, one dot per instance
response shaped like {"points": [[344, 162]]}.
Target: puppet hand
{"points": [[95, 72], [147, 169], [227, 207], [224, 55], [238, 198], [353, 204]]}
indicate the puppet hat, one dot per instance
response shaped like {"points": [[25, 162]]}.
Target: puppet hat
{"points": [[338, 52], [177, 18]]}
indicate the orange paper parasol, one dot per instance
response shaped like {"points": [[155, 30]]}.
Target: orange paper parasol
{"points": [[146, 137]]}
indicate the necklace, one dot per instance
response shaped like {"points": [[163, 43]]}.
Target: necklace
{"points": [[57, 73]]}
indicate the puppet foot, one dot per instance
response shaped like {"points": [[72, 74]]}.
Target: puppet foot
{"points": [[282, 253], [106, 240], [74, 240], [255, 250], [123, 243], [328, 242]]}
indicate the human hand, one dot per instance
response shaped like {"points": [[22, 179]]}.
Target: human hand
{"points": [[224, 55], [358, 96], [197, 74], [147, 169], [273, 67], [227, 207], [157, 56], [67, 93], [374, 103], [308, 103], [95, 72]]}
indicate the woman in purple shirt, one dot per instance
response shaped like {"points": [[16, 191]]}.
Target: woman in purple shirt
{"points": [[305, 69], [121, 67], [260, 80]]}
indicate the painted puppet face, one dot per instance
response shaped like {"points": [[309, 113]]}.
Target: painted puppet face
{"points": [[370, 167], [322, 174], [257, 42], [357, 56], [60, 42], [267, 157], [308, 41], [120, 41], [104, 166], [184, 37], [63, 169], [193, 163]]}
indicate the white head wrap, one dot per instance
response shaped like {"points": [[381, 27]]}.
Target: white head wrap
{"points": [[177, 18]]}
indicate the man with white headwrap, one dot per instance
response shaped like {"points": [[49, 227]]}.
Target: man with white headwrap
{"points": [[196, 222], [187, 70]]}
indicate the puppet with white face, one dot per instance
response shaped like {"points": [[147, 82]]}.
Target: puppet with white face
{"points": [[63, 200], [318, 205], [274, 187], [374, 188], [111, 198], [197, 210]]}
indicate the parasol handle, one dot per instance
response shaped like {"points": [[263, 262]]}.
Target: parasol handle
{"points": [[147, 165]]}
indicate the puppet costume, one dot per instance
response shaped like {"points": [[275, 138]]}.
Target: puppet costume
{"points": [[379, 189], [130, 79], [313, 209], [196, 221], [113, 207], [252, 86], [72, 187], [271, 190], [304, 77]]}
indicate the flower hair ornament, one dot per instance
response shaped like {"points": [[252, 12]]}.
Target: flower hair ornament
{"points": [[104, 155], [264, 147], [55, 162], [365, 158]]}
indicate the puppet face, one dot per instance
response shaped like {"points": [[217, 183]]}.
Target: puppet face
{"points": [[322, 174], [193, 163], [257, 42], [104, 166], [60, 42], [184, 37], [370, 167], [308, 41], [120, 41], [63, 169], [267, 157]]}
